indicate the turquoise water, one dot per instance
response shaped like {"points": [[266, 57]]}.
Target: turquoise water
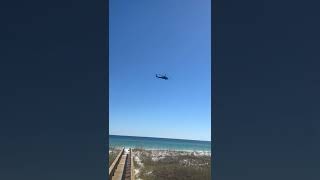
{"points": [[159, 143]]}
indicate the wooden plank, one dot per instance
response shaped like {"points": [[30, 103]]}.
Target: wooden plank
{"points": [[132, 165], [118, 174], [127, 175], [114, 165]]}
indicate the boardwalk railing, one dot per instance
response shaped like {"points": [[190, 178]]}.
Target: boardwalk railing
{"points": [[115, 163], [122, 168], [132, 165]]}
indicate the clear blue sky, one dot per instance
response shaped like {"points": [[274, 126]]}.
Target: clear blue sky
{"points": [[160, 36]]}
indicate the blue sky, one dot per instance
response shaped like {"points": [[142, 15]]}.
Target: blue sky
{"points": [[160, 36]]}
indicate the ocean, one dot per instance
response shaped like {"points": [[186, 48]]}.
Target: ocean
{"points": [[151, 143]]}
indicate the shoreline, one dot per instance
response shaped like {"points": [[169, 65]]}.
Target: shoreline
{"points": [[163, 149]]}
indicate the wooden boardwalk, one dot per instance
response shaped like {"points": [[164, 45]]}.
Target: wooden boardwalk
{"points": [[122, 167]]}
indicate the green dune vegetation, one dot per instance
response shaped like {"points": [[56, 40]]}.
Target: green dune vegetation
{"points": [[113, 152], [167, 165]]}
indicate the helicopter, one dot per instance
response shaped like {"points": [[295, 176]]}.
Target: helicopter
{"points": [[162, 77]]}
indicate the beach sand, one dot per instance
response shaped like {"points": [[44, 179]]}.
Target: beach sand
{"points": [[163, 164], [167, 164]]}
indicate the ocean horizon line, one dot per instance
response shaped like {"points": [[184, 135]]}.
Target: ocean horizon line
{"points": [[160, 138]]}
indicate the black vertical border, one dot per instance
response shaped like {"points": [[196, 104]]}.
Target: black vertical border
{"points": [[107, 85], [54, 89], [266, 90]]}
